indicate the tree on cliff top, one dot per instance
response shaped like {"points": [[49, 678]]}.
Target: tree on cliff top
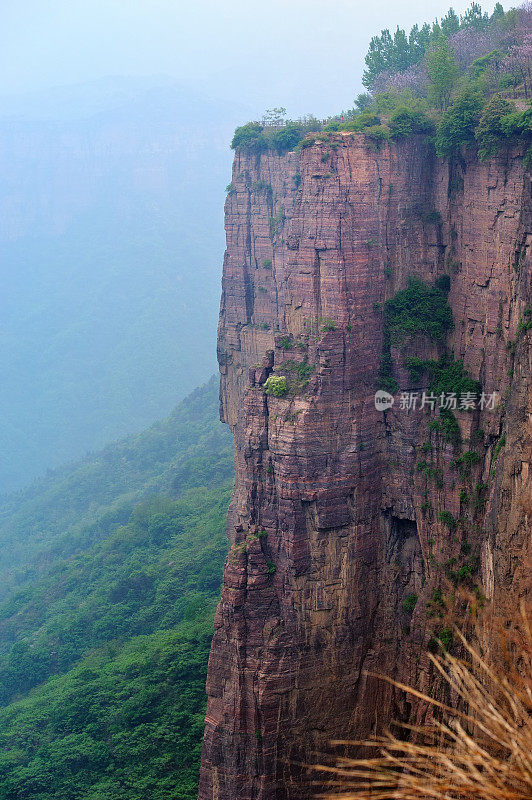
{"points": [[457, 126], [443, 72]]}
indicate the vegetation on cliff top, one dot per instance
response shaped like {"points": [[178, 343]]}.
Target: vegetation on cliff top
{"points": [[455, 81]]}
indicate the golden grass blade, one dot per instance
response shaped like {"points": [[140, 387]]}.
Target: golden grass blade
{"points": [[481, 753]]}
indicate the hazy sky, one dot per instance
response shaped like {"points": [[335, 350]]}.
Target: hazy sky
{"points": [[304, 54]]}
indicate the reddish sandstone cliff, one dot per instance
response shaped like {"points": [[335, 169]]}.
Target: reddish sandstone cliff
{"points": [[333, 523]]}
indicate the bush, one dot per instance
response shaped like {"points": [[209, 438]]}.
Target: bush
{"points": [[419, 308], [261, 186], [285, 342], [470, 458], [363, 101], [366, 119], [447, 518], [416, 367], [443, 283], [458, 123], [409, 603], [508, 81], [276, 386], [385, 379], [405, 122], [490, 132], [327, 325], [377, 134], [450, 429], [256, 138], [480, 65], [250, 138], [287, 138], [450, 376], [518, 123]]}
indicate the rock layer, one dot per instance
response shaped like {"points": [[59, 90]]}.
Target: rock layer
{"points": [[335, 523]]}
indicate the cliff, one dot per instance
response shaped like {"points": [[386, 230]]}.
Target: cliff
{"points": [[349, 523]]}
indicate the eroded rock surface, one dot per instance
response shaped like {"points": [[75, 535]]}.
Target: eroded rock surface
{"points": [[335, 522]]}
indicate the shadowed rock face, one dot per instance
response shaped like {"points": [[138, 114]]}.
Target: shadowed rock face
{"points": [[334, 524]]}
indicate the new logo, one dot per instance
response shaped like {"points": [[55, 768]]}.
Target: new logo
{"points": [[383, 400]]}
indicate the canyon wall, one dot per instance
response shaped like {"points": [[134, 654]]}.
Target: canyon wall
{"points": [[348, 524]]}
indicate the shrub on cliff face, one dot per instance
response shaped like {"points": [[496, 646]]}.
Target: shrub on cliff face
{"points": [[448, 376], [419, 308], [276, 385], [447, 518], [327, 325]]}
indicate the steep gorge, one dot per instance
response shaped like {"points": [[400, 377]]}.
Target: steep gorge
{"points": [[346, 521]]}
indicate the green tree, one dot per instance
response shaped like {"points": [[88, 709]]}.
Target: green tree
{"points": [[498, 13], [458, 123], [443, 72], [250, 137], [400, 55], [490, 132], [450, 23], [475, 17], [419, 40], [363, 101], [377, 57]]}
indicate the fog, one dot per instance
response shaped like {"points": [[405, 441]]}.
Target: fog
{"points": [[115, 123], [306, 55]]}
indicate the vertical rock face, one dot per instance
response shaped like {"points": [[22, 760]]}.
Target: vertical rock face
{"points": [[335, 522]]}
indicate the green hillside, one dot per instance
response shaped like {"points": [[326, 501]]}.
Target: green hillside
{"points": [[106, 617]]}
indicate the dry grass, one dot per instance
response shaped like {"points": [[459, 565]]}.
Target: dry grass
{"points": [[481, 753]]}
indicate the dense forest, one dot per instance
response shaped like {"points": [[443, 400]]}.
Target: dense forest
{"points": [[106, 617]]}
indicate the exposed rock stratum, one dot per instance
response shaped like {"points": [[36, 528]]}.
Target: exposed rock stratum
{"points": [[341, 515]]}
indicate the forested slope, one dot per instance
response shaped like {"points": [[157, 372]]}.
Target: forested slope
{"points": [[106, 617]]}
